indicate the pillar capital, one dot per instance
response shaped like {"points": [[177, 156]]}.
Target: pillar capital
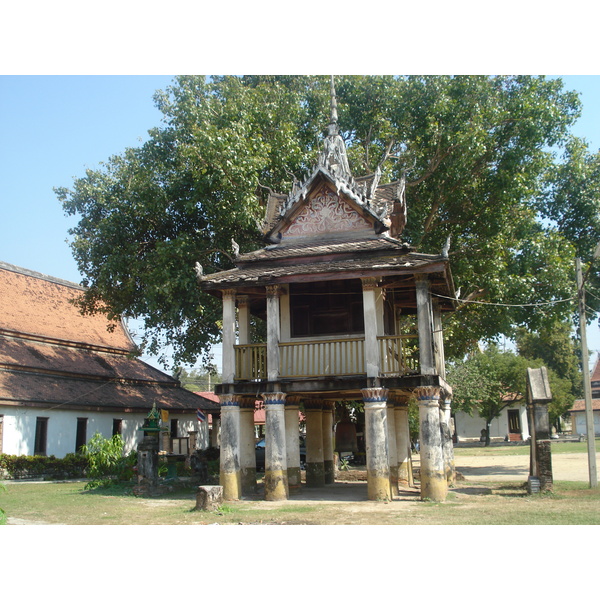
{"points": [[274, 399], [273, 291], [292, 401], [229, 401], [369, 283], [372, 395], [242, 301], [247, 402], [428, 395], [229, 293]]}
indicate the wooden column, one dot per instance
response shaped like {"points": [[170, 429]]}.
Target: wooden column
{"points": [[372, 359], [273, 332], [230, 475], [228, 336], [378, 461], [438, 339], [425, 324], [276, 480], [243, 319], [434, 485]]}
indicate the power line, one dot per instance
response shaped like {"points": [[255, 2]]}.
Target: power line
{"points": [[549, 302]]}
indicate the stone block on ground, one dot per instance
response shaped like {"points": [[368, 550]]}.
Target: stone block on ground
{"points": [[209, 497]]}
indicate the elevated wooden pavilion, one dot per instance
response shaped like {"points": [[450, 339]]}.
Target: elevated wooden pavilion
{"points": [[352, 313]]}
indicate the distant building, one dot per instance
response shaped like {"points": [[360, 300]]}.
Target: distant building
{"points": [[65, 376], [578, 411]]}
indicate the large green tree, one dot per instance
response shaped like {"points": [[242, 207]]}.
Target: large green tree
{"points": [[478, 154]]}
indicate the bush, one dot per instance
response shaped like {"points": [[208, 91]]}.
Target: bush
{"points": [[72, 466], [107, 462]]}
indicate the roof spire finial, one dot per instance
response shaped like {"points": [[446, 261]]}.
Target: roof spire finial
{"points": [[333, 121]]}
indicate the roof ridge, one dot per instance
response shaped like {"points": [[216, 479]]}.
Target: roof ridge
{"points": [[22, 271]]}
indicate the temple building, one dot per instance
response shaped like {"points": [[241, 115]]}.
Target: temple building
{"points": [[352, 313]]}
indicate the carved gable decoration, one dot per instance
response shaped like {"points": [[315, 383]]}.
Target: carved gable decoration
{"points": [[326, 212]]}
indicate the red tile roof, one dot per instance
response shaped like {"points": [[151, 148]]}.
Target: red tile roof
{"points": [[51, 354], [39, 305], [579, 405]]}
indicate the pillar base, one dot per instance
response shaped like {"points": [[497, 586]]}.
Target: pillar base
{"points": [[315, 475], [231, 483], [276, 485], [328, 471]]}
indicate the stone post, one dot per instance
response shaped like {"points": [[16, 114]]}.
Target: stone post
{"points": [[147, 463], [247, 444], [378, 462], [315, 470], [292, 440], [434, 485], [402, 443], [328, 465], [276, 480], [228, 336], [392, 443], [230, 475]]}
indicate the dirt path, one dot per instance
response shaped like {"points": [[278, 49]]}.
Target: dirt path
{"points": [[565, 467]]}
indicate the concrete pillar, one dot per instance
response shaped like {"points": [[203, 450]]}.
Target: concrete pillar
{"points": [[228, 336], [276, 480], [447, 445], [434, 485], [292, 440], [378, 462], [215, 432], [392, 443], [402, 443], [247, 446], [315, 470], [273, 332], [372, 359], [425, 325], [230, 475], [328, 465]]}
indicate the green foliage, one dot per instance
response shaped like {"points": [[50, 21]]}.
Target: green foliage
{"points": [[478, 153], [107, 462], [2, 511], [72, 466]]}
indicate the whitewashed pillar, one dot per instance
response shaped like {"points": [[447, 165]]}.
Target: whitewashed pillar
{"points": [[434, 484], [273, 332], [447, 444], [276, 480], [392, 443], [438, 339], [247, 446], [228, 336], [230, 475], [292, 440], [315, 470], [402, 443], [243, 319], [378, 461], [328, 465]]}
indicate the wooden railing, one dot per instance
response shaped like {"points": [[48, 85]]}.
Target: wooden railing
{"points": [[399, 355]]}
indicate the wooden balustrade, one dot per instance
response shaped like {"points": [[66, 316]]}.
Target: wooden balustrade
{"points": [[399, 355]]}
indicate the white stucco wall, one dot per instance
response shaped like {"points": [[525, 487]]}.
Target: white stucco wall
{"points": [[469, 427], [579, 425], [19, 429]]}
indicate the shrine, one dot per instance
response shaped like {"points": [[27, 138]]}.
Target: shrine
{"points": [[352, 313]]}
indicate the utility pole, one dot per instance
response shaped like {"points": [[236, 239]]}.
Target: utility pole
{"points": [[587, 387]]}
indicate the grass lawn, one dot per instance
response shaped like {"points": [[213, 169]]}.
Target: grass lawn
{"points": [[469, 504], [518, 450]]}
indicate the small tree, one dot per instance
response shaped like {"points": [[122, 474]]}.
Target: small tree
{"points": [[106, 460]]}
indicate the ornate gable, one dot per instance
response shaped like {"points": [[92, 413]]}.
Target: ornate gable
{"points": [[326, 212]]}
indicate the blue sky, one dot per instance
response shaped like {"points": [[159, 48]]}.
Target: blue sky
{"points": [[54, 127]]}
